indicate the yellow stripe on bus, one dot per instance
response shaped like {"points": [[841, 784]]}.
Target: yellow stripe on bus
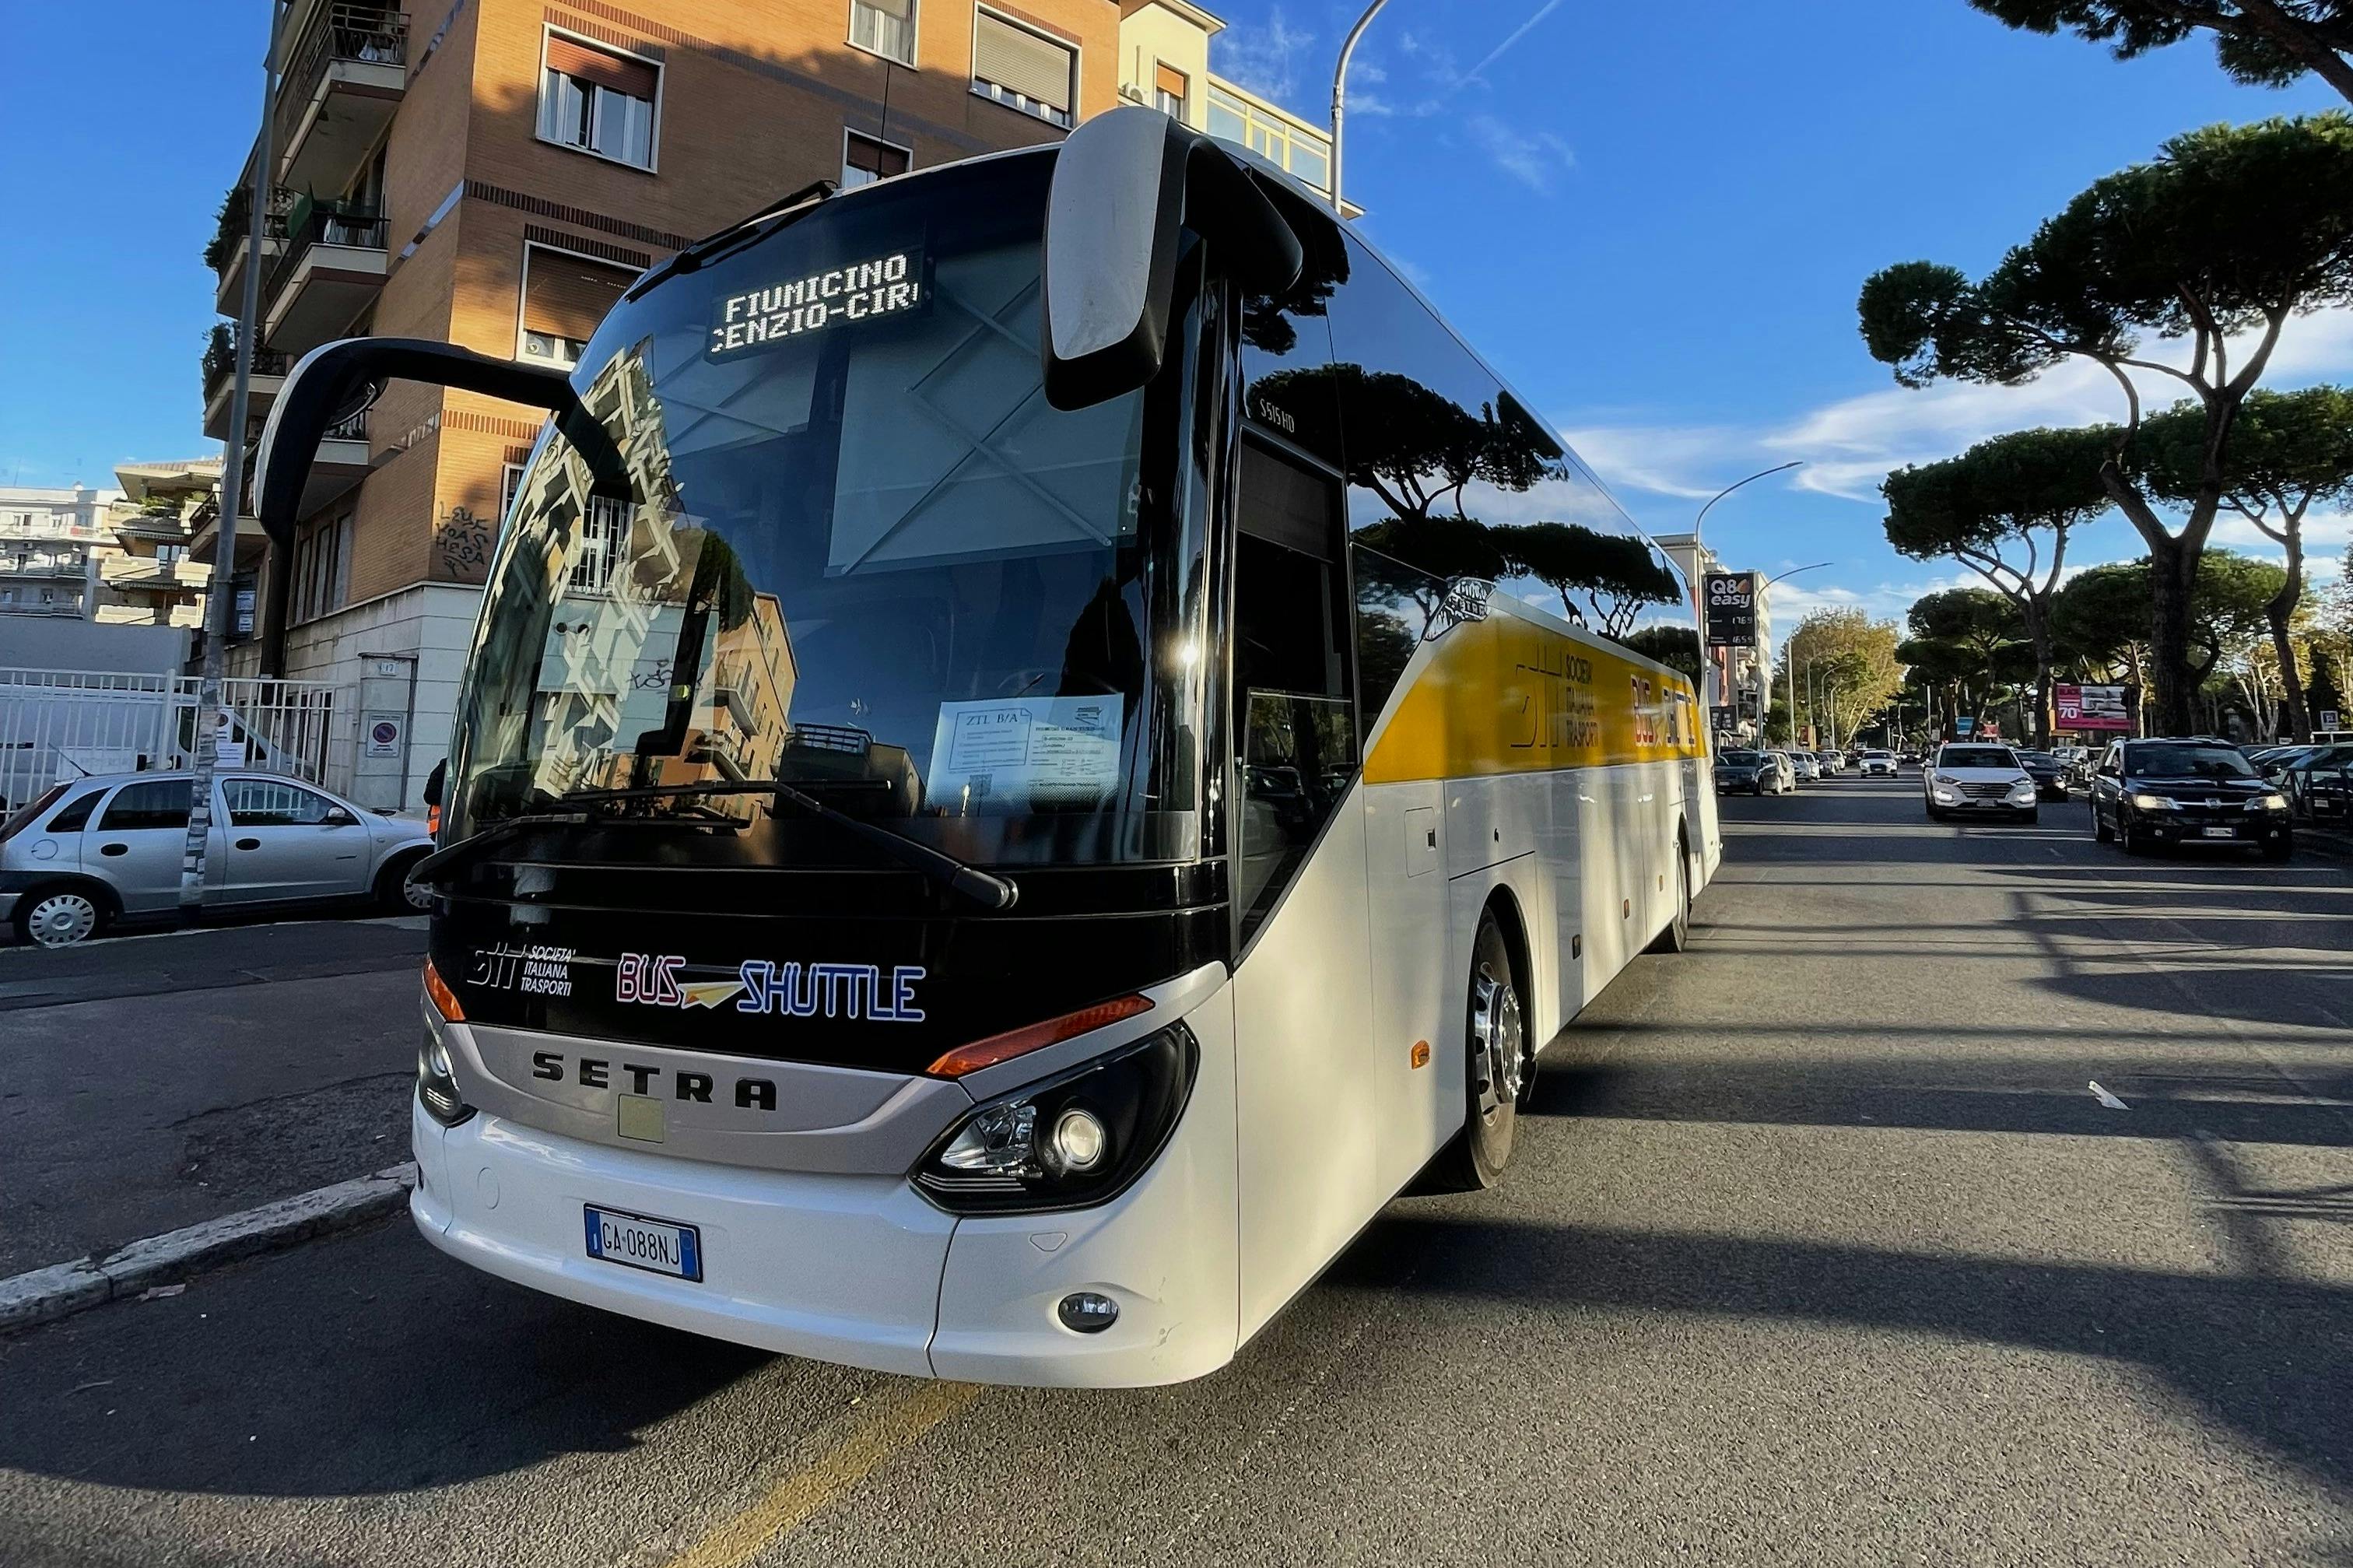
{"points": [[1507, 696]]}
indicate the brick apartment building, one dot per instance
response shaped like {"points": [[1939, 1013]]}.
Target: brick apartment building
{"points": [[494, 172]]}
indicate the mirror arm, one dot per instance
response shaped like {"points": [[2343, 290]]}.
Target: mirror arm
{"points": [[330, 378]]}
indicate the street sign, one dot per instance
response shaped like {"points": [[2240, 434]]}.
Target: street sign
{"points": [[1730, 609], [1720, 717], [1964, 725], [2092, 707], [381, 737], [2329, 719]]}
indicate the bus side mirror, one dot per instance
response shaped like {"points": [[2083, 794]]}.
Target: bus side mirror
{"points": [[1126, 185], [331, 380]]}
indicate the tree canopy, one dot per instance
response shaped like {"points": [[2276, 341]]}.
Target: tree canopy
{"points": [[2102, 613], [1852, 660], [2289, 450], [2262, 43], [2004, 509], [2218, 241]]}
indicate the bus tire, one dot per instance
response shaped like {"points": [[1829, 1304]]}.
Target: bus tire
{"points": [[1494, 1055], [1676, 936]]}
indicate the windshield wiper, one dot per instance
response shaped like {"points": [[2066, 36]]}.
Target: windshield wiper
{"points": [[438, 866], [985, 888], [735, 236]]}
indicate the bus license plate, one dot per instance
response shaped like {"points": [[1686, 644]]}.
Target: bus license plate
{"points": [[2220, 833], [659, 1246]]}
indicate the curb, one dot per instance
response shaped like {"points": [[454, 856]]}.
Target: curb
{"points": [[61, 1289]]}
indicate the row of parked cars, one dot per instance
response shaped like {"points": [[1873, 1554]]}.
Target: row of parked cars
{"points": [[1777, 772], [2146, 794]]}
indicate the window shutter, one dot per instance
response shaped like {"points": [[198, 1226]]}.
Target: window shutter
{"points": [[566, 297], [618, 72], [1172, 82], [1014, 57], [878, 158]]}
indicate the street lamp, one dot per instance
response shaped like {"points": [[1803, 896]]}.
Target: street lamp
{"points": [[1760, 473], [1340, 94], [1792, 572]]}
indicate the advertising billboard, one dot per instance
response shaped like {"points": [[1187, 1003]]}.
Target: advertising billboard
{"points": [[2093, 707], [1731, 609]]}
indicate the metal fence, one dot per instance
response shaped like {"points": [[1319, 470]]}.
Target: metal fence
{"points": [[59, 724]]}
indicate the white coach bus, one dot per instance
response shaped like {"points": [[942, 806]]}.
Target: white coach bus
{"points": [[997, 814]]}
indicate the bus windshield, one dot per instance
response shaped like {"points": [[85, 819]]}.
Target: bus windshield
{"points": [[863, 557]]}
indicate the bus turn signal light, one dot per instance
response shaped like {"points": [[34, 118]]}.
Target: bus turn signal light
{"points": [[1015, 1042], [1421, 1054], [444, 1000]]}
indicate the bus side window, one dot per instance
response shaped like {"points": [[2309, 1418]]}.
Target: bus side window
{"points": [[1296, 719]]}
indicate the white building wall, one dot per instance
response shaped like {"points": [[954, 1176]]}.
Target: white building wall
{"points": [[362, 652]]}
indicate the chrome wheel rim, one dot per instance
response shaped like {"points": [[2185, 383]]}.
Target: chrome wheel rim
{"points": [[417, 896], [61, 919], [1497, 1040]]}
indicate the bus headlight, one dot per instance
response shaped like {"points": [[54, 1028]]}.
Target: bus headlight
{"points": [[1070, 1142], [436, 1082]]}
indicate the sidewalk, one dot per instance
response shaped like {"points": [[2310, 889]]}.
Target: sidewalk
{"points": [[152, 1083]]}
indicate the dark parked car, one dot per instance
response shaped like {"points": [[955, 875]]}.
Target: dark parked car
{"points": [[2049, 773], [2190, 791], [1755, 772]]}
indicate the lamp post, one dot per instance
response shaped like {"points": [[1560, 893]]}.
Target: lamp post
{"points": [[1760, 473], [1787, 647], [1340, 93]]}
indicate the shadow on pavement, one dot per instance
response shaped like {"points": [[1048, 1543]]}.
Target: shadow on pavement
{"points": [[2270, 1360], [1949, 1094], [367, 1364]]}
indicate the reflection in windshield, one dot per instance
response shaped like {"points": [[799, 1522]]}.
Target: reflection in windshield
{"points": [[1977, 757], [866, 557], [2186, 762]]}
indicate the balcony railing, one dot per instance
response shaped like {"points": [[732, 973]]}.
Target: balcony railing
{"points": [[49, 563], [352, 429], [147, 572], [220, 359], [354, 224], [372, 35]]}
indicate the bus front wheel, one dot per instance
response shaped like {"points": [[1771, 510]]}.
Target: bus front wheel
{"points": [[1495, 1057]]}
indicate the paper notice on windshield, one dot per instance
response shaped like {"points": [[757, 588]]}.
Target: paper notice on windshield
{"points": [[1024, 751]]}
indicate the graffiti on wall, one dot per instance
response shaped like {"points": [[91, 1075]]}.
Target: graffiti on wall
{"points": [[464, 542]]}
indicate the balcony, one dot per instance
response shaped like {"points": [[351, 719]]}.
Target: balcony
{"points": [[146, 574], [343, 82], [334, 264], [270, 369], [341, 463], [37, 565], [190, 615], [232, 243]]}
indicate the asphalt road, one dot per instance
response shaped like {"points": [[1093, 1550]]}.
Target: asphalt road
{"points": [[151, 1082], [1818, 1249]]}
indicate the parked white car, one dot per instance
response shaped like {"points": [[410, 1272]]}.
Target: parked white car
{"points": [[92, 853], [1975, 780]]}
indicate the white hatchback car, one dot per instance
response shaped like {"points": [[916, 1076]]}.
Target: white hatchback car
{"points": [[90, 852], [1978, 780]]}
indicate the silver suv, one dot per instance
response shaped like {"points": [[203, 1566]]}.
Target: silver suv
{"points": [[96, 851]]}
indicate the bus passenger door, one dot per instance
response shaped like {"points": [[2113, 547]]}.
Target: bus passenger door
{"points": [[1303, 1026]]}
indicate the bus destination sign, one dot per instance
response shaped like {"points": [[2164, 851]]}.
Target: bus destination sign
{"points": [[885, 286]]}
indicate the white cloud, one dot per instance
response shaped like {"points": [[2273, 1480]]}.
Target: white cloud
{"points": [[1850, 446], [1534, 160], [1367, 71], [1264, 58]]}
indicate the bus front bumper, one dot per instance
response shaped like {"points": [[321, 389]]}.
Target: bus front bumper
{"points": [[839, 1268], [859, 1270]]}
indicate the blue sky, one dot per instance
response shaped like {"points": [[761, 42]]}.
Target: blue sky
{"points": [[1652, 218]]}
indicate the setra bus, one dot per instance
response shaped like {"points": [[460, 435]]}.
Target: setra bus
{"points": [[996, 813]]}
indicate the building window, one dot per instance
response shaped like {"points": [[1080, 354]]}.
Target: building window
{"points": [[865, 160], [1023, 69], [604, 537], [1170, 90], [1306, 156], [322, 567], [599, 101], [563, 298], [886, 27], [510, 482]]}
